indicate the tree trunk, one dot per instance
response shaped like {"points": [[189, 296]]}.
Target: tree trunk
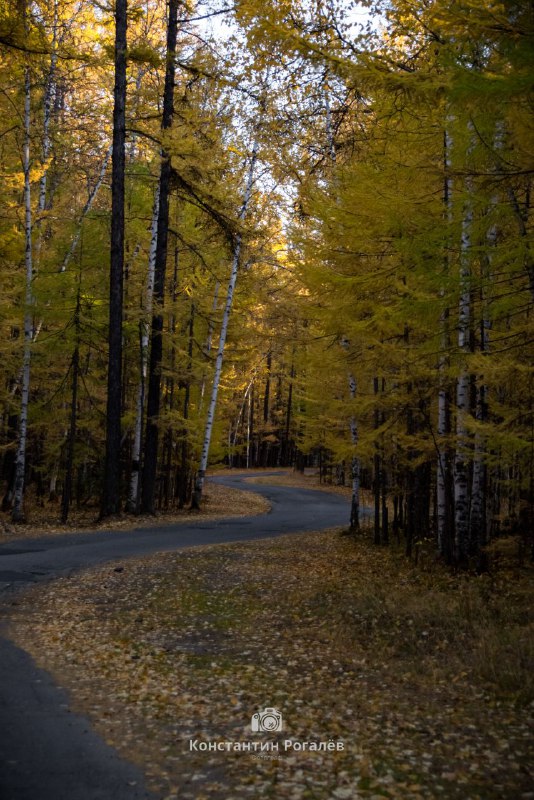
{"points": [[461, 460], [250, 422], [156, 346], [201, 474], [20, 459], [355, 464], [133, 496], [111, 496], [443, 467], [286, 461], [67, 488], [184, 482], [86, 209], [267, 393], [376, 467], [47, 142]]}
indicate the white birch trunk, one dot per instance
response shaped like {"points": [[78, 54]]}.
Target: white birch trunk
{"points": [[52, 487], [47, 116], [86, 209], [201, 474], [29, 333], [249, 418], [132, 149], [232, 437], [20, 460], [144, 329]]}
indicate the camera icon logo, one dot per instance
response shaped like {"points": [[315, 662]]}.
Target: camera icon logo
{"points": [[267, 721]]}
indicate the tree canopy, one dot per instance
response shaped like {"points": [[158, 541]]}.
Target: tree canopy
{"points": [[321, 256]]}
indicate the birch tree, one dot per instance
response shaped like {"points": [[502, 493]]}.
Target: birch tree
{"points": [[144, 340], [20, 460], [32, 259], [201, 473]]}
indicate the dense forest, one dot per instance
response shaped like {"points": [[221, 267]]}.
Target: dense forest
{"points": [[281, 234]]}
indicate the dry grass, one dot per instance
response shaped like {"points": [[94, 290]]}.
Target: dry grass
{"points": [[424, 675], [217, 501], [479, 627]]}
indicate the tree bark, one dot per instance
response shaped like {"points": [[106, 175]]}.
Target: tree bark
{"points": [[376, 467], [133, 496], [184, 482], [443, 468], [461, 459], [75, 367], [156, 345], [111, 496], [354, 464], [20, 459]]}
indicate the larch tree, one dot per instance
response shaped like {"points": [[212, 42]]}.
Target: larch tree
{"points": [[111, 494], [160, 264]]}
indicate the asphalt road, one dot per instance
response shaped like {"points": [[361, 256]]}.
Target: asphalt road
{"points": [[293, 510], [46, 751]]}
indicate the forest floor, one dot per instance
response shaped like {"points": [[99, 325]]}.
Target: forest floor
{"points": [[423, 676]]}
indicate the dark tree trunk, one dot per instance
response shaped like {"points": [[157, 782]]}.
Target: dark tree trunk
{"points": [[385, 510], [377, 468], [409, 516], [287, 439], [250, 435], [266, 396], [167, 485], [67, 488], [111, 499], [185, 470], [75, 366], [396, 518], [384, 486], [156, 347]]}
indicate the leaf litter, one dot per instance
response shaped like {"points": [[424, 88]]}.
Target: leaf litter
{"points": [[424, 676]]}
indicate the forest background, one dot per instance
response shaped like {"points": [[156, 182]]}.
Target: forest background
{"points": [[307, 242]]}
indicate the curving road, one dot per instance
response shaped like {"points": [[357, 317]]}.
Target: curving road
{"points": [[292, 510], [46, 751]]}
